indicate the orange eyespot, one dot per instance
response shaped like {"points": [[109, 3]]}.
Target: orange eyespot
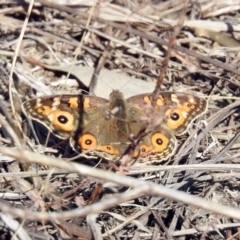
{"points": [[159, 141], [45, 110], [188, 106], [62, 120], [109, 149], [175, 118], [145, 149], [87, 142]]}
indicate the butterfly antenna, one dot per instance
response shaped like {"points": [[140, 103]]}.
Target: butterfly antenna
{"points": [[97, 70]]}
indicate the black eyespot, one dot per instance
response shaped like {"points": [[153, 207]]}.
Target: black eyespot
{"points": [[62, 119], [143, 149], [175, 116], [189, 105], [88, 142], [42, 108], [109, 148], [159, 141]]}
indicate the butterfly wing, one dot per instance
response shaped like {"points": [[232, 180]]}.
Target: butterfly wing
{"points": [[178, 110], [61, 114], [171, 115]]}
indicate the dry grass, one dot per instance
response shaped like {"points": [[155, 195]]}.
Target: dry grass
{"points": [[195, 194]]}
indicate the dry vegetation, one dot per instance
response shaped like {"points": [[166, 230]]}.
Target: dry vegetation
{"points": [[194, 195]]}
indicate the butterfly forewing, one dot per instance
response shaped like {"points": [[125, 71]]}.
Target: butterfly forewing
{"points": [[61, 114], [176, 110]]}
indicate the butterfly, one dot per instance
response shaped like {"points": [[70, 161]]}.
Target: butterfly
{"points": [[105, 128]]}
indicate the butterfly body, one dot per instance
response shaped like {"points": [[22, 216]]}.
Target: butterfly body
{"points": [[106, 128]]}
